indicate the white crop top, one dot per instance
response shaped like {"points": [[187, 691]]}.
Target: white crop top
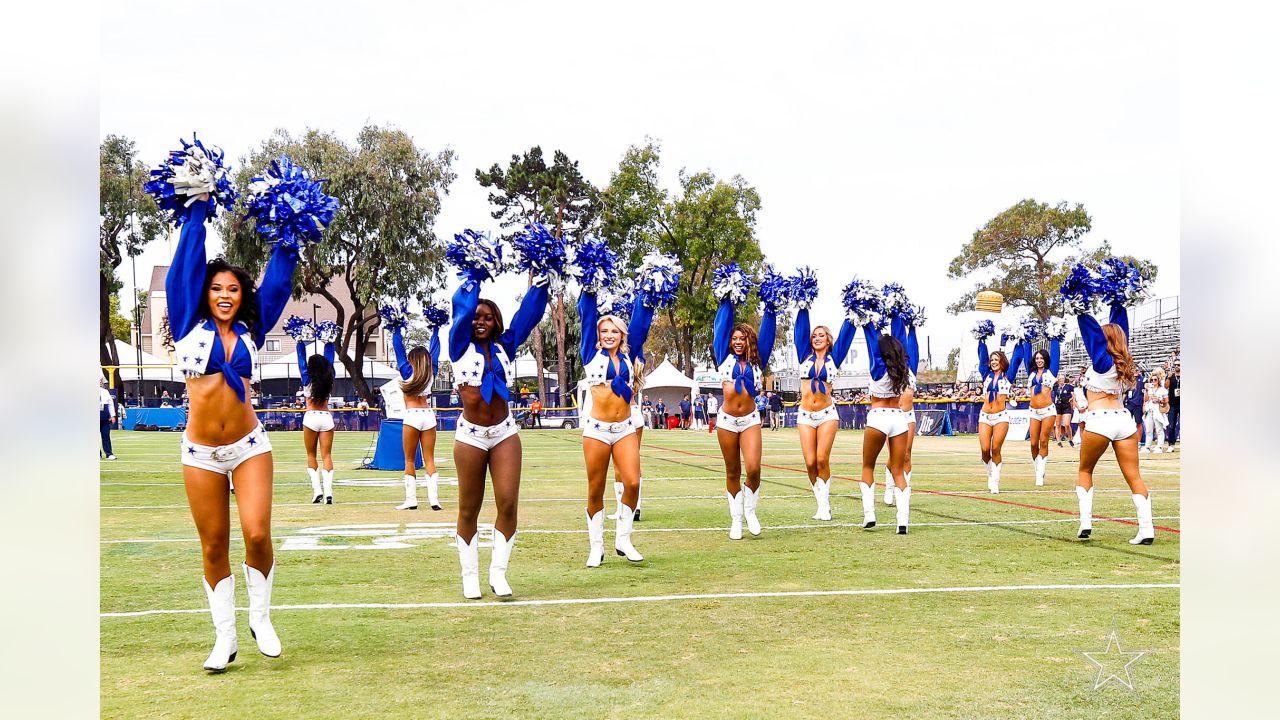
{"points": [[1107, 382], [727, 367], [808, 373], [596, 372], [469, 369], [193, 352]]}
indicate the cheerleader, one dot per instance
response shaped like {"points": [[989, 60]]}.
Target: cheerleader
{"points": [[637, 422], [1042, 371], [913, 319], [993, 422], [317, 422], [614, 379], [886, 422], [483, 351], [417, 369], [740, 354], [817, 421]]}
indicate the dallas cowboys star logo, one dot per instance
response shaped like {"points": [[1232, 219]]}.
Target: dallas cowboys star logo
{"points": [[253, 441], [191, 450], [203, 344], [1113, 662]]}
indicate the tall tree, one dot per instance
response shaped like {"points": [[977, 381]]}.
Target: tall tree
{"points": [[558, 195], [128, 219], [381, 243], [707, 223], [1031, 248]]}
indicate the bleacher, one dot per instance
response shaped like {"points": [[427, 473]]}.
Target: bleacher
{"points": [[1155, 331]]}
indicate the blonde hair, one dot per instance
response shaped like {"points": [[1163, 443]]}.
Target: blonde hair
{"points": [[831, 339], [1118, 347], [637, 367], [420, 360]]}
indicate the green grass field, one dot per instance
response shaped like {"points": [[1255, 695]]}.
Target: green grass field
{"points": [[902, 628]]}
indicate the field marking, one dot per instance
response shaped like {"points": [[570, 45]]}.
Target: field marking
{"points": [[716, 528], [666, 598]]}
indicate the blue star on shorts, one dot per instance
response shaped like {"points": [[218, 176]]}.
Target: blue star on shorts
{"points": [[253, 441], [191, 450]]}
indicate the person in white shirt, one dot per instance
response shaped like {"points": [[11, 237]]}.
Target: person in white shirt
{"points": [[713, 406], [1155, 416], [106, 415]]}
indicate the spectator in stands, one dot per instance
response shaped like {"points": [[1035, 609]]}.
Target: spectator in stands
{"points": [[775, 409], [106, 415], [1156, 408], [685, 409], [1062, 391], [1174, 386]]}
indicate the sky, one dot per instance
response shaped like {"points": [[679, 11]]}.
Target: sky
{"points": [[879, 137]]}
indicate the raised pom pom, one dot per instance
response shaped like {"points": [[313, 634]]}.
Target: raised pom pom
{"points": [[775, 289], [917, 316], [659, 279], [299, 329], [1032, 328], [983, 329], [803, 288], [1121, 283], [538, 251], [895, 300], [327, 331], [436, 314], [1055, 329], [729, 282], [395, 317], [863, 303], [617, 298], [1079, 290], [290, 208], [593, 264], [188, 173], [1013, 330], [477, 256]]}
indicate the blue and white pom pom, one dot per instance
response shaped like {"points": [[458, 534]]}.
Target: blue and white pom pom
{"points": [[395, 317], [477, 256], [290, 209], [1079, 290], [775, 289], [593, 264], [1032, 328], [803, 288], [983, 329], [188, 173], [617, 299], [301, 330], [1121, 283], [327, 331], [863, 303], [437, 314], [1055, 329], [913, 315], [895, 300], [659, 279], [1013, 331], [729, 282], [538, 251]]}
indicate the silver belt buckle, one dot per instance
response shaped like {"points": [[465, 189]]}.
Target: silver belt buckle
{"points": [[223, 453]]}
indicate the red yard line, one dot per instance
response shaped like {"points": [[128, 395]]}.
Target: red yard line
{"points": [[929, 492]]}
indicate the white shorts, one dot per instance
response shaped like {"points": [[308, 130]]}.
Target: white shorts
{"points": [[607, 433], [224, 458], [736, 424], [1075, 417], [1111, 424], [485, 437], [817, 418], [1043, 413], [420, 419], [637, 418], [993, 419], [911, 416], [318, 420], [890, 421]]}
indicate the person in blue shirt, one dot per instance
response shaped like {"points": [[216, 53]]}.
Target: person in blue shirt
{"points": [[418, 368], [1134, 404], [660, 410], [775, 409], [762, 407], [317, 422], [1062, 391], [686, 408], [487, 440], [219, 321]]}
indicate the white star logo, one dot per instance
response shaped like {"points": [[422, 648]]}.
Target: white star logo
{"points": [[1113, 655]]}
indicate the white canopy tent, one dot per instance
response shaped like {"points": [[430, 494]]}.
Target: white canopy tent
{"points": [[668, 384], [286, 366], [527, 368], [128, 355]]}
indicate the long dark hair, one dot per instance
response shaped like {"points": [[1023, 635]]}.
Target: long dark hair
{"points": [[1040, 352], [895, 362], [753, 344], [248, 312], [498, 328], [321, 372]]}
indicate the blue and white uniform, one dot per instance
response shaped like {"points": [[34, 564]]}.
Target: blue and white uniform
{"points": [[737, 370], [418, 418], [996, 384], [489, 365], [316, 420], [599, 368], [1038, 381], [890, 421], [198, 349], [1101, 377], [819, 375]]}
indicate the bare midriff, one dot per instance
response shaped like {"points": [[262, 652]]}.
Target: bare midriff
{"points": [[991, 407], [893, 403], [216, 416], [1043, 398], [737, 404], [417, 401], [907, 400], [1102, 401], [478, 412], [813, 400]]}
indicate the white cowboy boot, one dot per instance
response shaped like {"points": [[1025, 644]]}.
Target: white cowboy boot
{"points": [[595, 534], [498, 563], [433, 490], [316, 493], [622, 536], [1146, 527], [888, 486], [1086, 512], [639, 497], [1040, 465], [750, 499], [822, 493], [410, 494], [617, 494], [990, 470], [868, 504], [735, 515], [260, 609], [222, 606], [328, 486], [904, 510], [469, 560], [995, 477]]}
